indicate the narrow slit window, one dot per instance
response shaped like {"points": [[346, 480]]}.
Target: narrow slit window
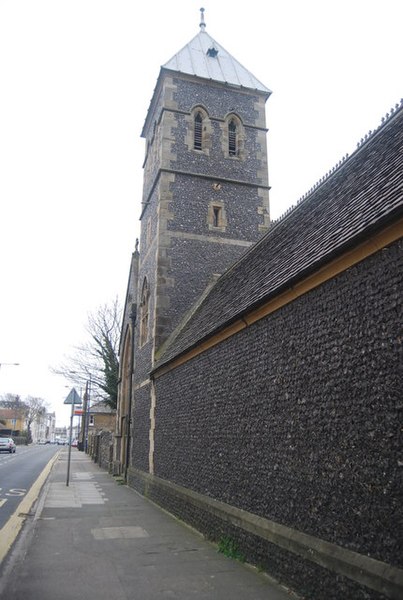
{"points": [[148, 232], [198, 131], [145, 296], [232, 135], [216, 216]]}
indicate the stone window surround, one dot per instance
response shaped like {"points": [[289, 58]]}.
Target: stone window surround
{"points": [[240, 137], [206, 127], [207, 133], [216, 209]]}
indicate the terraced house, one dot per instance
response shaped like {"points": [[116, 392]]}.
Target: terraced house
{"points": [[261, 362]]}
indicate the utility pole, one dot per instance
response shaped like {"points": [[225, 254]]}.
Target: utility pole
{"points": [[133, 317], [83, 431]]}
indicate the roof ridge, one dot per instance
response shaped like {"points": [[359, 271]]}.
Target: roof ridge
{"points": [[384, 121], [368, 136]]}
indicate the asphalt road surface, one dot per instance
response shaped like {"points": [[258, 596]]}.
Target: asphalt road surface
{"points": [[17, 474]]}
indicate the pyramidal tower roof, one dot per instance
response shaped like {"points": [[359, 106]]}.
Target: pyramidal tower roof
{"points": [[204, 57]]}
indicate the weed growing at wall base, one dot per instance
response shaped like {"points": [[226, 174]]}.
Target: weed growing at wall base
{"points": [[229, 548], [120, 480]]}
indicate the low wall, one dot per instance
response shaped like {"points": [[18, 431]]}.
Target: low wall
{"points": [[310, 565], [101, 449]]}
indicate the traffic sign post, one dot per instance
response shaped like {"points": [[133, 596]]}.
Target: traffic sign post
{"points": [[73, 398]]}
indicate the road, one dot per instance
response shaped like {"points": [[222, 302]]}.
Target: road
{"points": [[17, 474]]}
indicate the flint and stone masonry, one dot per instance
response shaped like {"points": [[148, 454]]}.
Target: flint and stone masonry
{"points": [[263, 402]]}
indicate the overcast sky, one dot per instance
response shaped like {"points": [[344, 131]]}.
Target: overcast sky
{"points": [[76, 79]]}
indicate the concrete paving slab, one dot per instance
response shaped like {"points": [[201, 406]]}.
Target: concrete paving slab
{"points": [[115, 533], [97, 539]]}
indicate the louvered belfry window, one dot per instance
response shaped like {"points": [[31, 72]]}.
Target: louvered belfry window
{"points": [[198, 132], [232, 149]]}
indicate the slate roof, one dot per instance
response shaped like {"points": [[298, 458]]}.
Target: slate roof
{"points": [[10, 413], [358, 198], [101, 408]]}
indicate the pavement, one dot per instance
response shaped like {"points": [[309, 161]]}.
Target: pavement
{"points": [[99, 539]]}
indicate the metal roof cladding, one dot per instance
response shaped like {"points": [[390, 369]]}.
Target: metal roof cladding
{"points": [[204, 57]]}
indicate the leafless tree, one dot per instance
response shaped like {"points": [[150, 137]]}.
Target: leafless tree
{"points": [[11, 401], [34, 408], [96, 362]]}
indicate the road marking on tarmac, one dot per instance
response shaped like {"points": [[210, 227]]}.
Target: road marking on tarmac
{"points": [[13, 526], [12, 493]]}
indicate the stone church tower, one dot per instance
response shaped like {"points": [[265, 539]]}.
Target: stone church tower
{"points": [[205, 197]]}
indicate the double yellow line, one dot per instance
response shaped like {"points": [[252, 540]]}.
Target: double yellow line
{"points": [[11, 529]]}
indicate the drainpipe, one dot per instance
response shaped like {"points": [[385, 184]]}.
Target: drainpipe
{"points": [[133, 315]]}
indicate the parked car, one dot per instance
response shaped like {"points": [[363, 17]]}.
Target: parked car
{"points": [[7, 445]]}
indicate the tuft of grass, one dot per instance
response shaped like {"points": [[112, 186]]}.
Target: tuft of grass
{"points": [[120, 480], [229, 548]]}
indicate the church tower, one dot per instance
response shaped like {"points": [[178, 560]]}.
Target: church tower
{"points": [[205, 201], [206, 193]]}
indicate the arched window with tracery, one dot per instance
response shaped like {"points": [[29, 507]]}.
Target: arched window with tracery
{"points": [[144, 313], [198, 131]]}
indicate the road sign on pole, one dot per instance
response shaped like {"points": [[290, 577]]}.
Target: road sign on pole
{"points": [[73, 397]]}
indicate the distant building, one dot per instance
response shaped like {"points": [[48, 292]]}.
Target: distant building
{"points": [[101, 418], [101, 425], [14, 421], [43, 428], [61, 434]]}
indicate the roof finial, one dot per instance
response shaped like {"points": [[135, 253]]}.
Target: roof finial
{"points": [[202, 23]]}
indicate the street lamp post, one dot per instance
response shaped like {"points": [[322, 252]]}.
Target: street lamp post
{"points": [[3, 364]]}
